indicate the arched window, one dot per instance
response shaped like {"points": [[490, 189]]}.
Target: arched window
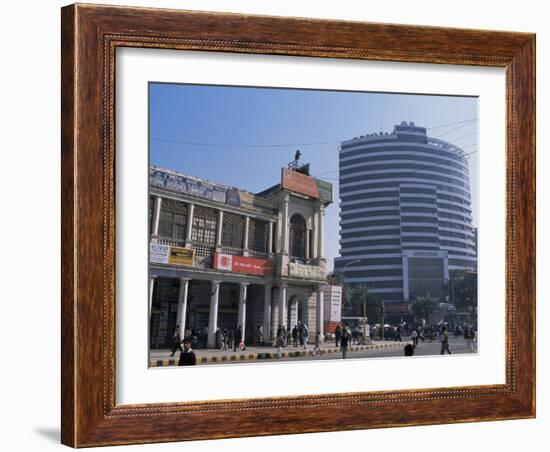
{"points": [[298, 232]]}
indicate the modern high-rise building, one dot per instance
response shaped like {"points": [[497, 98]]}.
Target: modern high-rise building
{"points": [[405, 215]]}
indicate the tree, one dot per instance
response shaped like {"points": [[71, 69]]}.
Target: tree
{"points": [[424, 307], [354, 298], [464, 289]]}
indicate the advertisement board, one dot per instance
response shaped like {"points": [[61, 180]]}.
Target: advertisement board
{"points": [[242, 264], [180, 183], [158, 254], [168, 254], [305, 271], [332, 298], [180, 256]]}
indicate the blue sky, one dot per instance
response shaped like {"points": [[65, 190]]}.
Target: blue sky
{"points": [[242, 136]]}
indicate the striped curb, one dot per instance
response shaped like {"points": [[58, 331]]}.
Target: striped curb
{"points": [[166, 362]]}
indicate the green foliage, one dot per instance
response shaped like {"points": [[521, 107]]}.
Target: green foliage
{"points": [[463, 289], [424, 307], [354, 297]]}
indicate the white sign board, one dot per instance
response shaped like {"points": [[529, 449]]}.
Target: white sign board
{"points": [[158, 254], [333, 303]]}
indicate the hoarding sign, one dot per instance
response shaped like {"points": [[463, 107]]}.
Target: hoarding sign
{"points": [[181, 256], [189, 186], [305, 271], [158, 254], [241, 264], [325, 190], [233, 198], [299, 183], [333, 303]]}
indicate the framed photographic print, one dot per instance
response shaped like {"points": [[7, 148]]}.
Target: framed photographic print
{"points": [[281, 225]]}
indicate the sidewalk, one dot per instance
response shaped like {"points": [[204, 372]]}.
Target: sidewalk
{"points": [[162, 358]]}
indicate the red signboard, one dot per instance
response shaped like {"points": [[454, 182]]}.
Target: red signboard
{"points": [[299, 183], [241, 264]]}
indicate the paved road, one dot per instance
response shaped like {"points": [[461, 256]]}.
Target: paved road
{"points": [[426, 348]]}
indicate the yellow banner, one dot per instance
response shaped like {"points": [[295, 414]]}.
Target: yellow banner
{"points": [[180, 256]]}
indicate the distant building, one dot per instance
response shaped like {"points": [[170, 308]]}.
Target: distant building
{"points": [[406, 217], [221, 257]]}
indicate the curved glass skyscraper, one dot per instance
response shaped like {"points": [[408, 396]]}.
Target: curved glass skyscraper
{"points": [[405, 215]]}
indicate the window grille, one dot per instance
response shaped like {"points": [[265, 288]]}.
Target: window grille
{"points": [[204, 225], [257, 235], [233, 230], [173, 219]]}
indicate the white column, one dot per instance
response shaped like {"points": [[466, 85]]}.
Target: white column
{"points": [[320, 311], [242, 308], [267, 314], [282, 304], [315, 238], [182, 305], [321, 238], [308, 245], [156, 217], [213, 318], [245, 241], [190, 212], [285, 232], [151, 289], [270, 238], [219, 228], [293, 308]]}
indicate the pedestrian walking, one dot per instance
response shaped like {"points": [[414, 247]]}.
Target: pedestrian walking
{"points": [[279, 342], [397, 334], [294, 334], [300, 334], [237, 337], [317, 348], [260, 334], [305, 335], [344, 342], [187, 356], [176, 341], [414, 338], [445, 341], [337, 335], [470, 339]]}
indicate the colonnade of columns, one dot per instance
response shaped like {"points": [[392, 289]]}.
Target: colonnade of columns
{"points": [[282, 303]]}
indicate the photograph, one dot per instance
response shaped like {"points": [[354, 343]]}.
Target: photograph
{"points": [[292, 224]]}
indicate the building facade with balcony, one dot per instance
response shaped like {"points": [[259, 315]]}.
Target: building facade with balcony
{"points": [[405, 215], [221, 257]]}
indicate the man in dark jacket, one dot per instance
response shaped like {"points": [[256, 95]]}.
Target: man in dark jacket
{"points": [[187, 356], [344, 343], [238, 338], [337, 335]]}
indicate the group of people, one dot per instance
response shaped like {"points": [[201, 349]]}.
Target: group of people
{"points": [[299, 336]]}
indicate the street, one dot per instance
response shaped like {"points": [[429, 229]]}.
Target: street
{"points": [[378, 349]]}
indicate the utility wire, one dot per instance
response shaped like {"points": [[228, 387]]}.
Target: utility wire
{"points": [[283, 145]]}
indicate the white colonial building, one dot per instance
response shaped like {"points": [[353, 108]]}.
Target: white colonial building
{"points": [[221, 257]]}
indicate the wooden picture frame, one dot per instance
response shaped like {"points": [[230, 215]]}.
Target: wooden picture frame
{"points": [[90, 36]]}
